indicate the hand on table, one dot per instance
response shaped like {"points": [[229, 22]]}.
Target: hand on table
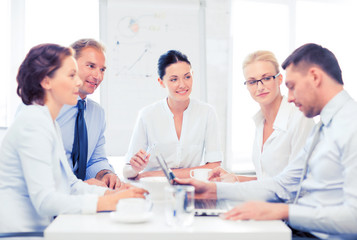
{"points": [[258, 211], [218, 174], [110, 199], [93, 181], [110, 179]]}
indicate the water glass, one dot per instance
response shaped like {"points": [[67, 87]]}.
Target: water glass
{"points": [[179, 205]]}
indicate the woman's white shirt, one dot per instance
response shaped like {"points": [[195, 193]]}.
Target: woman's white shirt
{"points": [[291, 129], [36, 182], [199, 142]]}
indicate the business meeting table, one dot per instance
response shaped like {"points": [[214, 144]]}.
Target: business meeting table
{"points": [[103, 226]]}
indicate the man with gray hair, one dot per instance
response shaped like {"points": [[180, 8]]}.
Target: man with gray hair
{"points": [[83, 125]]}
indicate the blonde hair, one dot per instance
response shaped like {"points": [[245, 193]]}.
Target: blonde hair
{"points": [[261, 55]]}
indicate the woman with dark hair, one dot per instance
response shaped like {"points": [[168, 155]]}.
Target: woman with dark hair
{"points": [[36, 182], [183, 130]]}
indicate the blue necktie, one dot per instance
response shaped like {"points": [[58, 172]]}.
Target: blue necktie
{"points": [[80, 143]]}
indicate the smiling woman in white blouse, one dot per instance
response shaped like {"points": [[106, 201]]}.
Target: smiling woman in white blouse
{"points": [[281, 129], [36, 181], [183, 130]]}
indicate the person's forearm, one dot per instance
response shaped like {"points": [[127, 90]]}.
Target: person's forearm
{"points": [[245, 178], [185, 172], [106, 203], [210, 193], [334, 219], [102, 173], [179, 172]]}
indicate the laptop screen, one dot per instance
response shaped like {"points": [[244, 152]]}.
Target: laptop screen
{"points": [[167, 171], [203, 207]]}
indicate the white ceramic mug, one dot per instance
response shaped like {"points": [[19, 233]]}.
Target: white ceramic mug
{"points": [[155, 186], [200, 173], [133, 206]]}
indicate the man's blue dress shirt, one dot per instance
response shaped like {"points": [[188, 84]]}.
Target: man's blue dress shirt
{"points": [[95, 121], [328, 203]]}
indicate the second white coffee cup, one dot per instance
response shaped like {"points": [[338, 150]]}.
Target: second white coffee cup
{"points": [[200, 174]]}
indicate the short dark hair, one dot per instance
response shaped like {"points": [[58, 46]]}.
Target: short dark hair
{"points": [[168, 58], [41, 61], [81, 44], [310, 54]]}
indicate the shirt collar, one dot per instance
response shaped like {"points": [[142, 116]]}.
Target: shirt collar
{"points": [[85, 100], [282, 118], [333, 106], [167, 108]]}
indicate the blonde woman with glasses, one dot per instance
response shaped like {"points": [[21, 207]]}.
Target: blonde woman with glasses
{"points": [[281, 129]]}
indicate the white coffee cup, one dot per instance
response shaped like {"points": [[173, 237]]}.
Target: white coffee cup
{"points": [[133, 206], [155, 186], [200, 173]]}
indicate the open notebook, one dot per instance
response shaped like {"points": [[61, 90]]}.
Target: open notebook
{"points": [[203, 207]]}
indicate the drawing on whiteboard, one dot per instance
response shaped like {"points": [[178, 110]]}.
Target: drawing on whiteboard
{"points": [[136, 35], [128, 26], [134, 63]]}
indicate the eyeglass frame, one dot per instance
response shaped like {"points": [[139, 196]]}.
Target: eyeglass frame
{"points": [[256, 82]]}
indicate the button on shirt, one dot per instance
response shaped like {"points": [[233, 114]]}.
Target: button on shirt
{"points": [[291, 129], [199, 142], [95, 121], [329, 193]]}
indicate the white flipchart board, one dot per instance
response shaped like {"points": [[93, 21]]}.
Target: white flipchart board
{"points": [[136, 33]]}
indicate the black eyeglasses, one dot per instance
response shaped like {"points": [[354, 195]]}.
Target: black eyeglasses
{"points": [[251, 83]]}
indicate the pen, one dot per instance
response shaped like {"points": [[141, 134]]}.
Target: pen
{"points": [[149, 150]]}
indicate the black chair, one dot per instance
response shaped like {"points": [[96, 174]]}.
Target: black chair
{"points": [[21, 234]]}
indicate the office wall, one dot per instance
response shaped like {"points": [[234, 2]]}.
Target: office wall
{"points": [[218, 60], [208, 49]]}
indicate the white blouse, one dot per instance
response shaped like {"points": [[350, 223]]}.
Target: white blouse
{"points": [[199, 142], [291, 129]]}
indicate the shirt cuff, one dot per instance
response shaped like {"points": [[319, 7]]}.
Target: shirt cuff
{"points": [[129, 172], [92, 170], [298, 216], [214, 157], [225, 190]]}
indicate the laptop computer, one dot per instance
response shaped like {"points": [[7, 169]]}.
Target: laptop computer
{"points": [[203, 207]]}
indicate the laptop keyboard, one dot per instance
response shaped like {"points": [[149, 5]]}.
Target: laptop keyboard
{"points": [[210, 204]]}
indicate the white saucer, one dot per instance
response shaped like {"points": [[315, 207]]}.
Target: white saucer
{"points": [[124, 218]]}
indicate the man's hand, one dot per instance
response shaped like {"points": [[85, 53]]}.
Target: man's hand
{"points": [[258, 211], [203, 189], [109, 178], [112, 181]]}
